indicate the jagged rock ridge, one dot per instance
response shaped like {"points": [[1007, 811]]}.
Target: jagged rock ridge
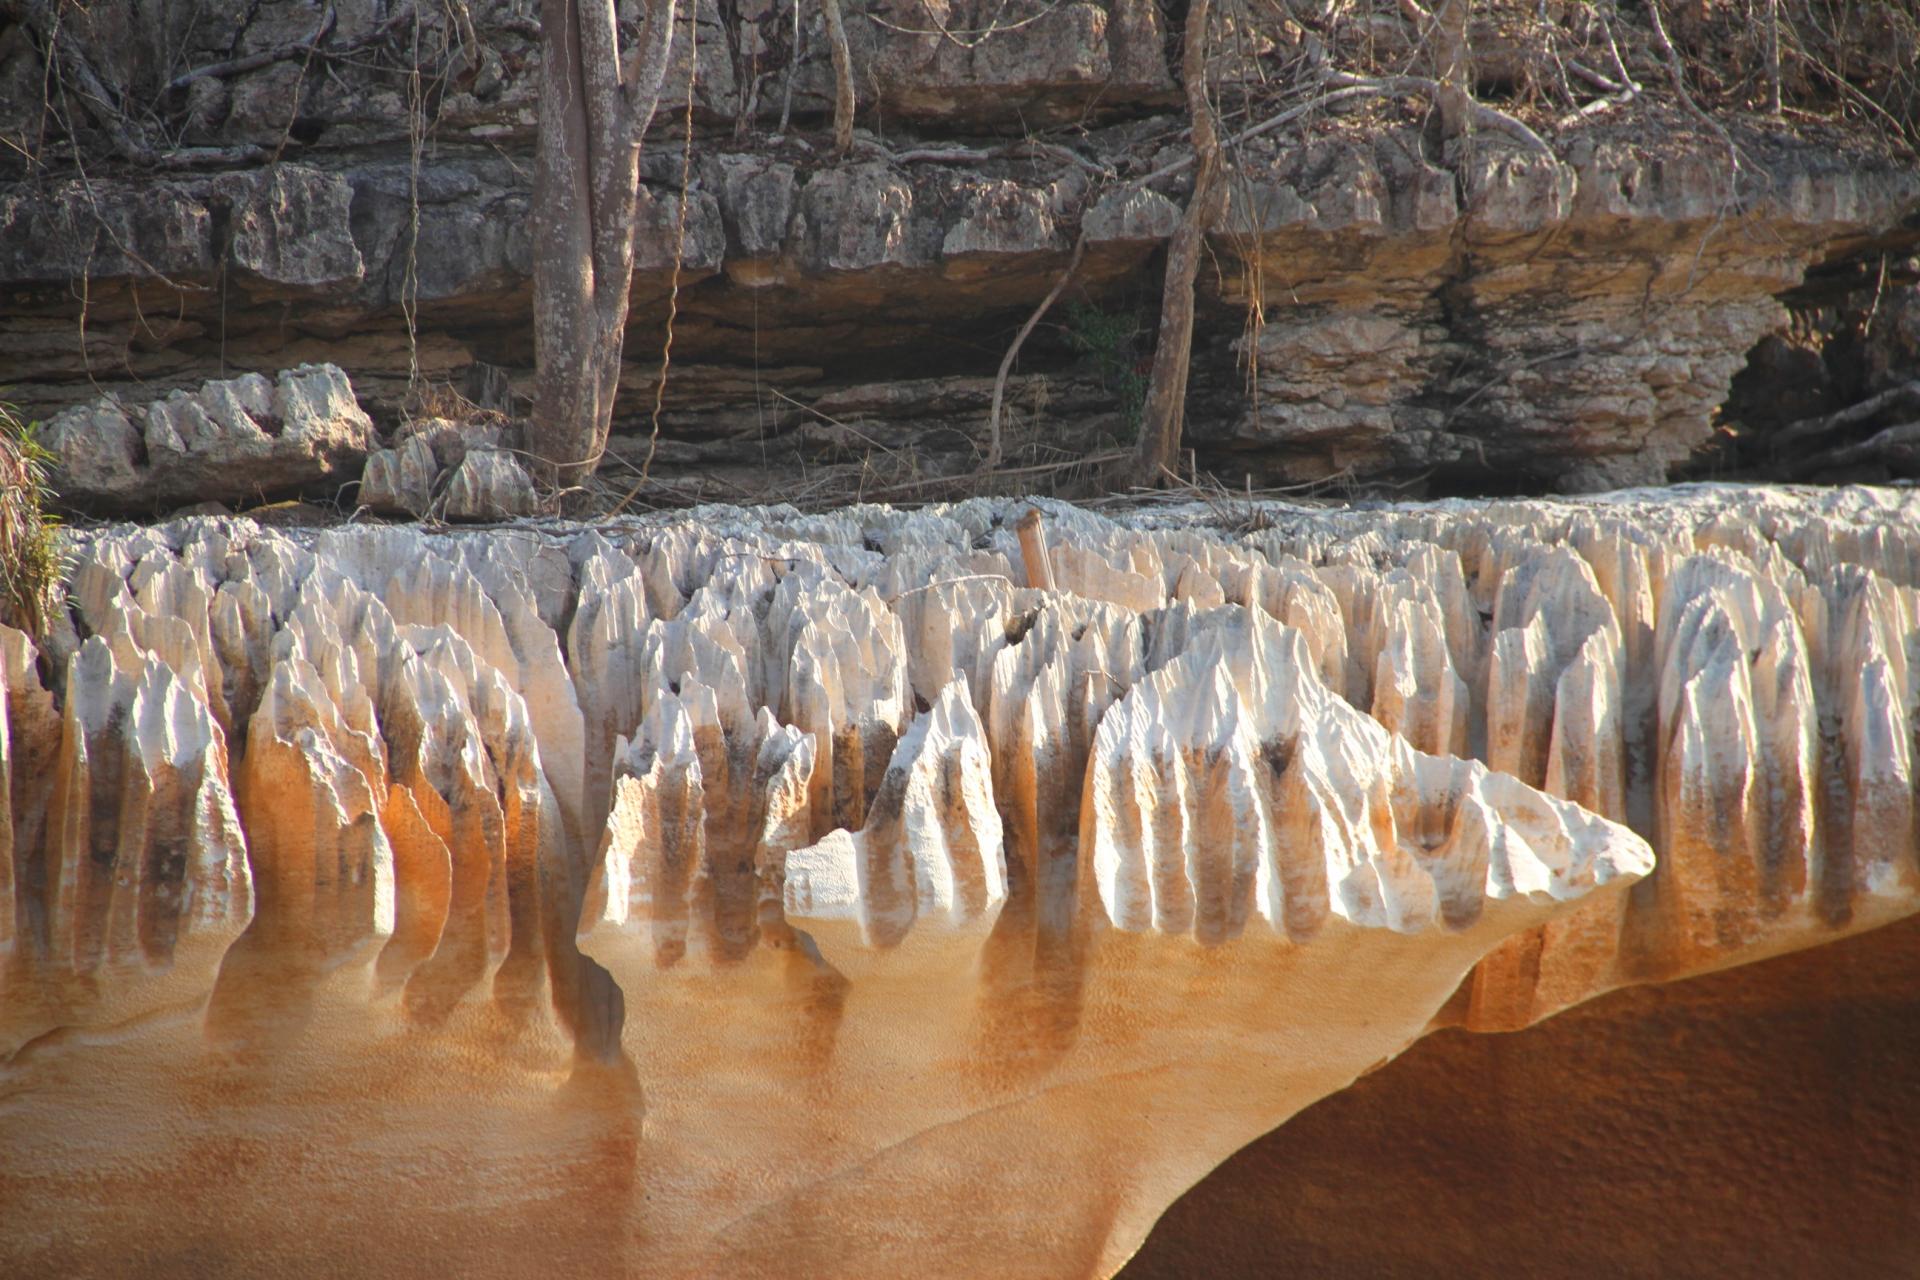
{"points": [[837, 811]]}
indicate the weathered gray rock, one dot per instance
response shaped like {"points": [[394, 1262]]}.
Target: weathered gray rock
{"points": [[238, 439], [1565, 319], [489, 485], [455, 470], [98, 452], [400, 480], [290, 228]]}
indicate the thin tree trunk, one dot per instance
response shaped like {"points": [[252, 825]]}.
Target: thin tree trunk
{"points": [[842, 77], [1164, 413], [593, 115], [1453, 73]]}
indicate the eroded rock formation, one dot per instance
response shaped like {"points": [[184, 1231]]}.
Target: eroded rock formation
{"points": [[770, 894], [352, 186]]}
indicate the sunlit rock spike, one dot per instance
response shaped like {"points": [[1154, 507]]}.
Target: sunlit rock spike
{"points": [[273, 564], [1586, 747], [924, 880], [415, 708], [660, 817], [1705, 622], [901, 574], [322, 866], [172, 588], [1382, 864], [953, 626], [1731, 531], [1291, 593], [1629, 567], [1357, 588], [1195, 568], [1416, 691], [1187, 855], [1787, 728], [836, 659], [1438, 569], [597, 562], [776, 802], [539, 672], [329, 668], [604, 657], [1521, 684], [1166, 633], [1865, 620], [713, 647], [458, 794], [184, 756], [1708, 818], [685, 556], [1556, 586], [430, 590], [240, 627], [1876, 748], [1048, 691], [97, 583], [134, 852], [508, 835], [703, 817], [1115, 578], [83, 854]]}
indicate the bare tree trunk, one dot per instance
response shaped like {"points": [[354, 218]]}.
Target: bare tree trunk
{"points": [[1164, 413], [1453, 72], [593, 114], [842, 77]]}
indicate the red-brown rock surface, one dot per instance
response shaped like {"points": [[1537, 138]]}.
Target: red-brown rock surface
{"points": [[1761, 1122]]}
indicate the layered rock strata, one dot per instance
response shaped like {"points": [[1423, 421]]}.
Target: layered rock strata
{"points": [[762, 893], [1501, 319]]}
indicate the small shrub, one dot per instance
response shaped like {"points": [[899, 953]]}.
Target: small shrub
{"points": [[1112, 340], [29, 544]]}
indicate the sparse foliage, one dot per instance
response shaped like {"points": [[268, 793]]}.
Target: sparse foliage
{"points": [[29, 545], [1111, 342]]}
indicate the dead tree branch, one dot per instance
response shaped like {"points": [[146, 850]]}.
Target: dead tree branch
{"points": [[1907, 394], [1019, 340], [1896, 446], [1677, 80], [1423, 86], [266, 57]]}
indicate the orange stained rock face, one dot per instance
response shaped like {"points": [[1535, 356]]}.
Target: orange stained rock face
{"points": [[767, 894]]}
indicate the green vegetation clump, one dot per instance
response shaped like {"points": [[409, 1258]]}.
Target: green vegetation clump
{"points": [[1112, 340], [29, 541]]}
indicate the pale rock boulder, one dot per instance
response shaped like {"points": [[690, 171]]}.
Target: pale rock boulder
{"points": [[455, 470]]}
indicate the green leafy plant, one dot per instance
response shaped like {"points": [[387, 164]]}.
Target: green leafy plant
{"points": [[29, 542], [1112, 341]]}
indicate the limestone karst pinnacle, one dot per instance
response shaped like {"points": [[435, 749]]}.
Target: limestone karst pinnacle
{"points": [[758, 893]]}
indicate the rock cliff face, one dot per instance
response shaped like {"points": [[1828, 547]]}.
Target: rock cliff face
{"points": [[349, 185], [761, 894]]}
